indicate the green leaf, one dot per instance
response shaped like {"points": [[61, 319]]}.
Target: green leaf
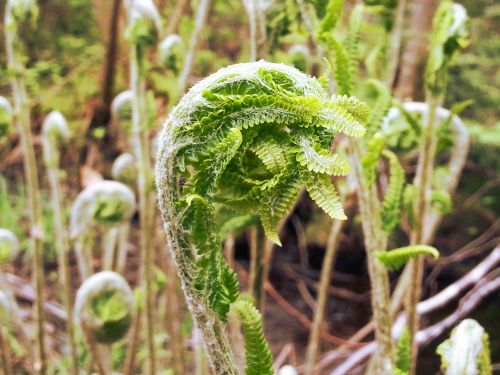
{"points": [[397, 258], [259, 360], [319, 160], [322, 191], [403, 354], [391, 207]]}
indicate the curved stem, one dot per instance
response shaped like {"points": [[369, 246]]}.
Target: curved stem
{"points": [[22, 117], [144, 187], [212, 329]]}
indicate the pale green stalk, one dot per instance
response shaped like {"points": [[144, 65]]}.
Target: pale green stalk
{"points": [[201, 16], [62, 248], [22, 119], [146, 194], [423, 181]]}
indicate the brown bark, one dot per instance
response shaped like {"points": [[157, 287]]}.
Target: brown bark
{"points": [[111, 54], [415, 51]]}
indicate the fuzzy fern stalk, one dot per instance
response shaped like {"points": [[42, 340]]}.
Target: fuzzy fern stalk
{"points": [[246, 138], [144, 27], [108, 205], [55, 131], [104, 308], [18, 12], [467, 350], [344, 56], [449, 34], [6, 311]]}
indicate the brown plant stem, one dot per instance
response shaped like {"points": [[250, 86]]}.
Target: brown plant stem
{"points": [[326, 270]]}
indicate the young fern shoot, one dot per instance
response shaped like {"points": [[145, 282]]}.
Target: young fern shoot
{"points": [[106, 204], [104, 308], [55, 131], [211, 154], [18, 12]]}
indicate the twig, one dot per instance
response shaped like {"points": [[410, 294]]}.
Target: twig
{"points": [[470, 301], [326, 270]]}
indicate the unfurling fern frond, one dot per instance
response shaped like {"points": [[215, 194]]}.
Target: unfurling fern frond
{"points": [[449, 34], [237, 140], [259, 360], [342, 67], [441, 201], [391, 207], [371, 159], [403, 354], [380, 107], [397, 258]]}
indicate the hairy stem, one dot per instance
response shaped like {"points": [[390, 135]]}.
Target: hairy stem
{"points": [[22, 118], [322, 298], [62, 249], [375, 240], [144, 187], [212, 329], [423, 180]]}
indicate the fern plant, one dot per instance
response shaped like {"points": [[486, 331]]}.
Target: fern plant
{"points": [[378, 218], [211, 152], [448, 36], [467, 351]]}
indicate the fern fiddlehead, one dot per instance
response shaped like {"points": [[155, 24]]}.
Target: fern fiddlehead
{"points": [[211, 153]]}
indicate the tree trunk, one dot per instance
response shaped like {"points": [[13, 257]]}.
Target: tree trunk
{"points": [[416, 48]]}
